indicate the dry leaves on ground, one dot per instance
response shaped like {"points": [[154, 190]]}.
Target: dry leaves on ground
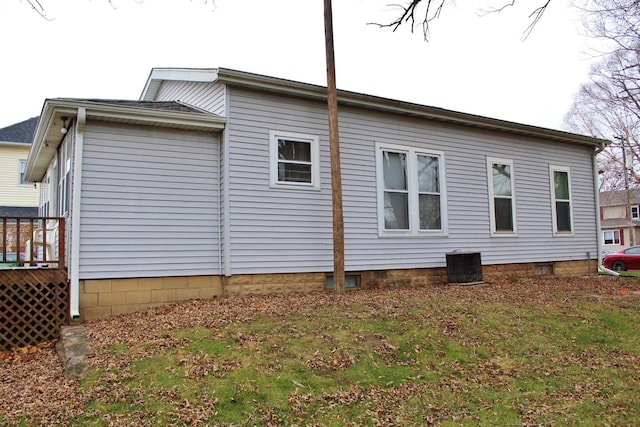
{"points": [[32, 384]]}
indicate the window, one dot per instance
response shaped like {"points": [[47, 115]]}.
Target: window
{"points": [[612, 237], [350, 281], [45, 194], [501, 197], [23, 165], [561, 200], [295, 160], [635, 213], [64, 176], [410, 190]]}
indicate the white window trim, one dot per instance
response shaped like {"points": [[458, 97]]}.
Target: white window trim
{"points": [[22, 164], [615, 241], [552, 169], [412, 187], [637, 215], [494, 233], [273, 161]]}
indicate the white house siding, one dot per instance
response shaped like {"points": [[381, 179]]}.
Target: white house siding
{"points": [[275, 230], [12, 193], [209, 97], [149, 202]]}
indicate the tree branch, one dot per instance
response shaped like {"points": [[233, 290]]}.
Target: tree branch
{"points": [[35, 5], [432, 11], [410, 13]]}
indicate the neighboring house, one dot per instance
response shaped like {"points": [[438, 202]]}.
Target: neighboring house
{"points": [[217, 182], [18, 198], [620, 218]]}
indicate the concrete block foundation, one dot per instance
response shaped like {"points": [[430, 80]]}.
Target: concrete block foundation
{"points": [[102, 298]]}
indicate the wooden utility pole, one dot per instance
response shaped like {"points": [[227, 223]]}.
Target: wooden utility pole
{"points": [[334, 149]]}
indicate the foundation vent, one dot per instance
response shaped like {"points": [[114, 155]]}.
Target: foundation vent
{"points": [[464, 268]]}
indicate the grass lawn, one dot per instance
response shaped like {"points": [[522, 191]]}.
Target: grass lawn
{"points": [[531, 352]]}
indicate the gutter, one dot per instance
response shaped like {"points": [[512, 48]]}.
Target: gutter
{"points": [[601, 268], [305, 90], [229, 77], [226, 192], [15, 144]]}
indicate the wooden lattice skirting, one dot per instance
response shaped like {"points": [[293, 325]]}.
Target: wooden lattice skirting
{"points": [[34, 303]]}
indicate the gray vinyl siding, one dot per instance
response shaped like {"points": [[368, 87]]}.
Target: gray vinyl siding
{"points": [[149, 202], [209, 97], [276, 230]]}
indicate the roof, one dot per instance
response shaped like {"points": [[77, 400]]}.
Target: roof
{"points": [[619, 197], [18, 211], [21, 133], [617, 223], [59, 113], [306, 90]]}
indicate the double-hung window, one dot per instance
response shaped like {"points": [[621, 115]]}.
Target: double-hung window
{"points": [[22, 166], [635, 212], [502, 204], [561, 200], [411, 196], [611, 237], [295, 160]]}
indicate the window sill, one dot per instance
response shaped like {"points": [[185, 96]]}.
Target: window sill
{"points": [[563, 234], [301, 187], [411, 234], [504, 234]]}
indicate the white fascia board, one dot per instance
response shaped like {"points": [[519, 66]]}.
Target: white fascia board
{"points": [[158, 75], [150, 116], [256, 81], [41, 148], [275, 84], [48, 137]]}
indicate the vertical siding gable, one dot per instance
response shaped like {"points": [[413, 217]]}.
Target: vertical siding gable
{"points": [[208, 96], [277, 231], [149, 202]]}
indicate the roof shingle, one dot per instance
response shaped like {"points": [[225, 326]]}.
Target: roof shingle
{"points": [[20, 132]]}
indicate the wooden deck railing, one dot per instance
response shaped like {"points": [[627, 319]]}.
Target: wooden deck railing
{"points": [[34, 289], [29, 242]]}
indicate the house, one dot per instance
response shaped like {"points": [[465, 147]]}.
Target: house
{"points": [[18, 198], [217, 182], [620, 218]]}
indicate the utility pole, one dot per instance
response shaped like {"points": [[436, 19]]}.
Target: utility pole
{"points": [[334, 149]]}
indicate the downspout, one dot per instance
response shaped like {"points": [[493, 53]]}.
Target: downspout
{"points": [[220, 210], [601, 268], [226, 217], [75, 215]]}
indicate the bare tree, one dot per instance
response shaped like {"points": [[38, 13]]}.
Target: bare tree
{"points": [[596, 114], [608, 106], [614, 21]]}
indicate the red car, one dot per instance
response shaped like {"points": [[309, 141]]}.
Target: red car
{"points": [[623, 260]]}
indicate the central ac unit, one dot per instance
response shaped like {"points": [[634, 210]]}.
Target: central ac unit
{"points": [[464, 268]]}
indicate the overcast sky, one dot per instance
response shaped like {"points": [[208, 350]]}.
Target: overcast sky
{"points": [[472, 64]]}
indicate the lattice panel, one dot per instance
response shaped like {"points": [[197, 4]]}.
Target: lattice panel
{"points": [[33, 306]]}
